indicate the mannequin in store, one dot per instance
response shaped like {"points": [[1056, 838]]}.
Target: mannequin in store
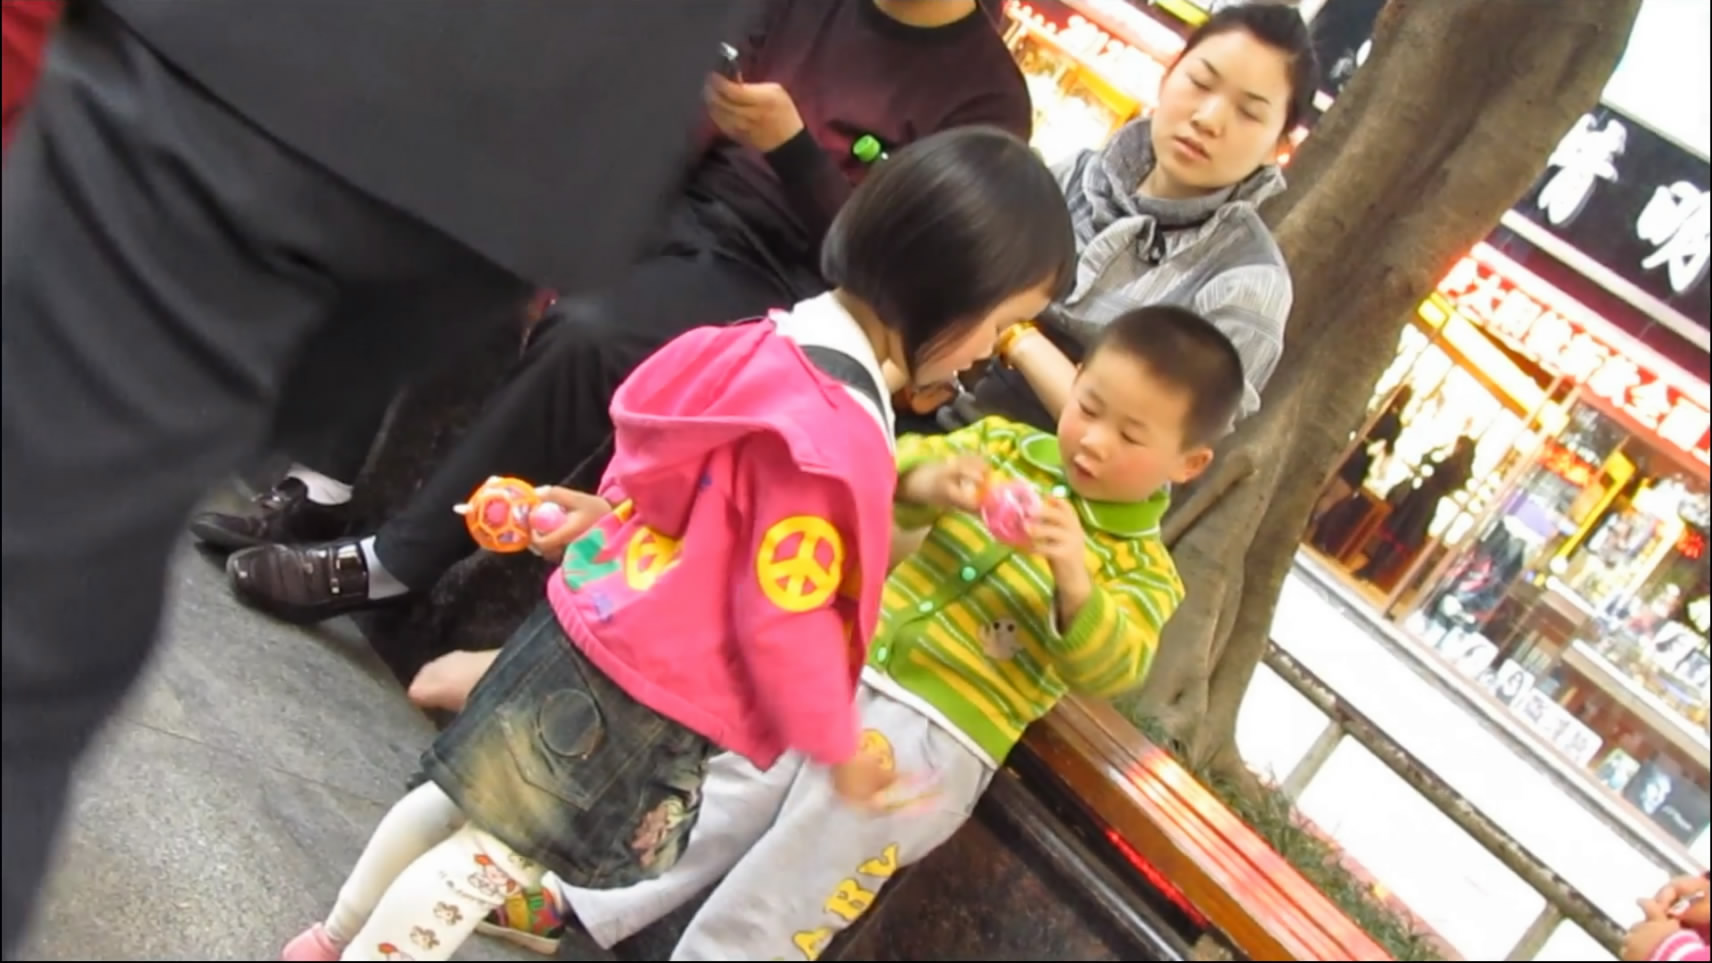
{"points": [[819, 92], [1414, 505], [1352, 474]]}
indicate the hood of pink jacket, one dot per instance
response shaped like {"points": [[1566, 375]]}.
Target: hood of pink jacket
{"points": [[664, 428]]}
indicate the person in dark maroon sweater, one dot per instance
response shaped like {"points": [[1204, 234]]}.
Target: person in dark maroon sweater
{"points": [[826, 89]]}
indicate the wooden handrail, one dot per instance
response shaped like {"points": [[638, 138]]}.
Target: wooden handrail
{"points": [[1162, 813]]}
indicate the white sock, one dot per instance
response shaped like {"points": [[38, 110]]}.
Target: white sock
{"points": [[322, 490], [382, 583]]}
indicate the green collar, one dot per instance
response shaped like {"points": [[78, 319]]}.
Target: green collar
{"points": [[1123, 519]]}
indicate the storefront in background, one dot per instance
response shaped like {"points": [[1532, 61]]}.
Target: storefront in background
{"points": [[1566, 567]]}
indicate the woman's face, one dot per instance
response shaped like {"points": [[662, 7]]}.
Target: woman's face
{"points": [[1221, 114], [946, 361]]}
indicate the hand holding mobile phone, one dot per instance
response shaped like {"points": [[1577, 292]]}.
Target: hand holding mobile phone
{"points": [[727, 66]]}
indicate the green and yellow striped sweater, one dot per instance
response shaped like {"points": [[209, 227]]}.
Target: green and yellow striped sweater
{"points": [[970, 625]]}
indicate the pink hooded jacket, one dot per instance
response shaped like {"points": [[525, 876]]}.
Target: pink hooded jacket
{"points": [[1682, 945], [735, 585]]}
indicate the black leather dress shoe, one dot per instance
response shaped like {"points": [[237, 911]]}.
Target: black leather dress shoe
{"points": [[283, 515], [303, 584]]}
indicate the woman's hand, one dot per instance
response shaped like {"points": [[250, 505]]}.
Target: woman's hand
{"points": [[582, 510], [954, 483], [761, 116]]}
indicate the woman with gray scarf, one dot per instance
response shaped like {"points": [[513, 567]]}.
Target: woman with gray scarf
{"points": [[1167, 212]]}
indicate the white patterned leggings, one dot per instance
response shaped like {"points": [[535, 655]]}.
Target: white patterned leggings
{"points": [[424, 882]]}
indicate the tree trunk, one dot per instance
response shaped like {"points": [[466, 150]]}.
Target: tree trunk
{"points": [[1448, 122]]}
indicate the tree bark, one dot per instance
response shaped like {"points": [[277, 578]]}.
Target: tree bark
{"points": [[1449, 121]]}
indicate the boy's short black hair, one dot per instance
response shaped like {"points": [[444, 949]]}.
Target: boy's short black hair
{"points": [[1188, 351], [946, 230]]}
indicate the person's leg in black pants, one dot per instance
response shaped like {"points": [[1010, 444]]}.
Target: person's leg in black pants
{"points": [[311, 503], [546, 422], [165, 269]]}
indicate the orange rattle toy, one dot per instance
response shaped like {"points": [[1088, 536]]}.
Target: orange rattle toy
{"points": [[501, 512]]}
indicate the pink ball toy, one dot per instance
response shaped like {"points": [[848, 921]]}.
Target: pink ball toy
{"points": [[546, 518], [1007, 508]]}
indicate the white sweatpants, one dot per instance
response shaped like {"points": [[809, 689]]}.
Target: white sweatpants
{"points": [[424, 881], [798, 864]]}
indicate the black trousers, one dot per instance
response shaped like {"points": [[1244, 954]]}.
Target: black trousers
{"points": [[549, 420], [169, 274]]}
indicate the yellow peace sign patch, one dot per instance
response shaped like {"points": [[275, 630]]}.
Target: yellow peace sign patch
{"points": [[800, 563], [647, 557]]}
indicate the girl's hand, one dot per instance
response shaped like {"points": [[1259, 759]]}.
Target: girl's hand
{"points": [[582, 510], [862, 779], [1639, 942], [954, 483], [1692, 890], [446, 682]]}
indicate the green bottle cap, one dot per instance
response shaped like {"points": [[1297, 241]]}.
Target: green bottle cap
{"points": [[867, 149]]}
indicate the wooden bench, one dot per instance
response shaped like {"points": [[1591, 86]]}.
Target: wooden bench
{"points": [[1182, 837]]}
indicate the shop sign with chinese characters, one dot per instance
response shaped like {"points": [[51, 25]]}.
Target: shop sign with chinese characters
{"points": [[1567, 348], [1634, 202]]}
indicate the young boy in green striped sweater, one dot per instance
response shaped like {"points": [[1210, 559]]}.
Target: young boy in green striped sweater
{"points": [[977, 640]]}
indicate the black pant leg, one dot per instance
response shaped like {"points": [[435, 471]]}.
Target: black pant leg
{"points": [[163, 267], [336, 402], [340, 451], [550, 418]]}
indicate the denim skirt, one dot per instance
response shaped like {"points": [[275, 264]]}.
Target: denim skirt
{"points": [[554, 759]]}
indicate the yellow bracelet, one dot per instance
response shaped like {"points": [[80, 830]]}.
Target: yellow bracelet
{"points": [[1009, 337]]}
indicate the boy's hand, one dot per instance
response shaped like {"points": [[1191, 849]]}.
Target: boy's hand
{"points": [[953, 483], [582, 510], [1057, 534]]}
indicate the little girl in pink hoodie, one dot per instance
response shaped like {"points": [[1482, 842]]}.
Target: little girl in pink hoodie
{"points": [[718, 590]]}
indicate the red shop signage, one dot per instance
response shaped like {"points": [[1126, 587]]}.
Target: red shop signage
{"points": [[1568, 348]]}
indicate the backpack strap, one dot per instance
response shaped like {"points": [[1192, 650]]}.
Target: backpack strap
{"points": [[845, 369]]}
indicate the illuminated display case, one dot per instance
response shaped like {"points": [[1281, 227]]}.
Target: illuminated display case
{"points": [[1090, 66], [1575, 555]]}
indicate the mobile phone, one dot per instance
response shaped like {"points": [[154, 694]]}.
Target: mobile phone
{"points": [[727, 66]]}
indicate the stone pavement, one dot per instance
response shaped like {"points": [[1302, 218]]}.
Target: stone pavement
{"points": [[228, 801]]}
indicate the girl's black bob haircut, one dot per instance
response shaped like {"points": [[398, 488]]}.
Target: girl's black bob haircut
{"points": [[943, 232]]}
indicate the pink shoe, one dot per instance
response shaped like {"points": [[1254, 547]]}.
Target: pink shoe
{"points": [[312, 944]]}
